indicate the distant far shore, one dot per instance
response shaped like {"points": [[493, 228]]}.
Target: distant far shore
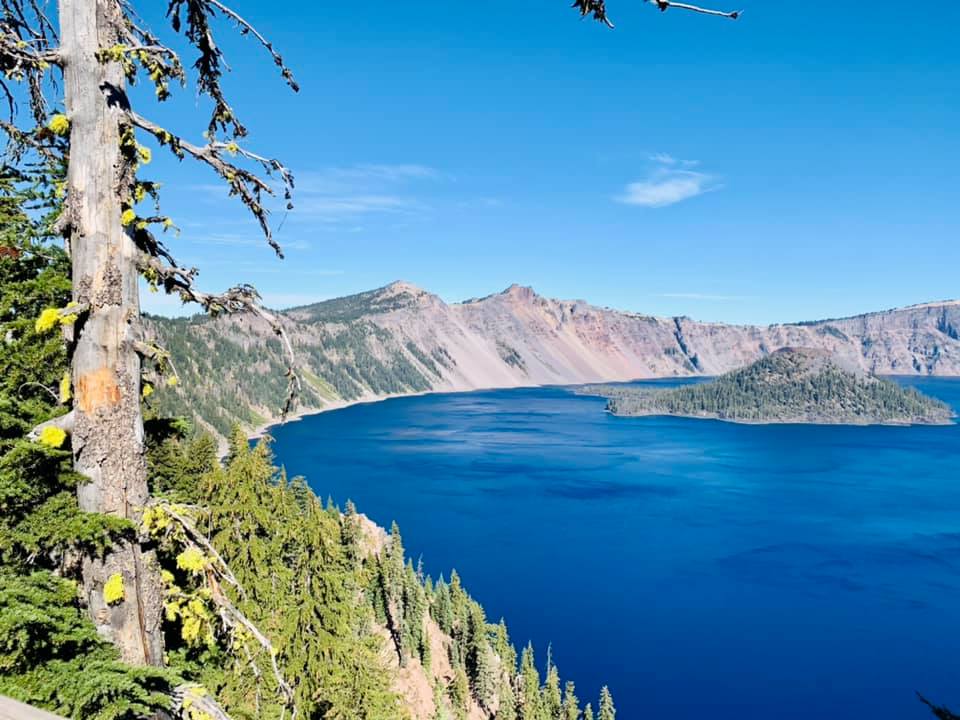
{"points": [[854, 422], [263, 430]]}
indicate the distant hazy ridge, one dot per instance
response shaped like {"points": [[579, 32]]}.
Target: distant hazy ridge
{"points": [[401, 339]]}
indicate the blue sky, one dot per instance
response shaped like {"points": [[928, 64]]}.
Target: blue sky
{"points": [[798, 163]]}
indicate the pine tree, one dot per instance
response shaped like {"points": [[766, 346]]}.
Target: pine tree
{"points": [[607, 711], [588, 712], [480, 663], [552, 698], [507, 707], [530, 702], [459, 692], [571, 705]]}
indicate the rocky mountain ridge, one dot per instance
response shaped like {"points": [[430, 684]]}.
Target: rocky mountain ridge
{"points": [[401, 339]]}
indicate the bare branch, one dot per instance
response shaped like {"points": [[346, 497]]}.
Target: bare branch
{"points": [[190, 701], [598, 9], [231, 616], [210, 65], [665, 5], [247, 185], [64, 422], [246, 27]]}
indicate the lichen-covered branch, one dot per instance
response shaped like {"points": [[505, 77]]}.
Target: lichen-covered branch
{"points": [[230, 615], [193, 702], [26, 53], [249, 186], [64, 422], [200, 539]]}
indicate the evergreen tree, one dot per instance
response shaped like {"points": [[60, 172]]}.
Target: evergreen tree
{"points": [[606, 711], [483, 673], [50, 652], [571, 705], [507, 707], [459, 692], [552, 698], [588, 712], [440, 711], [530, 702]]}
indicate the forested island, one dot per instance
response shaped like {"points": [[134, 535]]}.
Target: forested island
{"points": [[792, 385]]}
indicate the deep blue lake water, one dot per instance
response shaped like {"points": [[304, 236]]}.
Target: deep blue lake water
{"points": [[701, 569]]}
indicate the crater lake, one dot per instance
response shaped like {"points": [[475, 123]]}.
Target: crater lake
{"points": [[698, 568]]}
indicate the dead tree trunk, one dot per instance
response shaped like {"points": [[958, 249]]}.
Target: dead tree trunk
{"points": [[108, 443]]}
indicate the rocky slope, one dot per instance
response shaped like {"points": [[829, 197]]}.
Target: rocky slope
{"points": [[401, 339], [791, 385]]}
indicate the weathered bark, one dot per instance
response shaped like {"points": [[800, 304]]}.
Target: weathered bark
{"points": [[108, 440]]}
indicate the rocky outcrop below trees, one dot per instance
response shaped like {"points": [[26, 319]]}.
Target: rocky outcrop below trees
{"points": [[400, 340]]}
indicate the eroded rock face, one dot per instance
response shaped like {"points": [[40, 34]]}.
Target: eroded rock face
{"points": [[518, 337], [401, 339]]}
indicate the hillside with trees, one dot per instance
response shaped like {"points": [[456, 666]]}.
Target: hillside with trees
{"points": [[141, 576], [400, 339], [272, 602], [793, 385]]}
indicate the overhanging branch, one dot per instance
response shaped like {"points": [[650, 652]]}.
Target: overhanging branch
{"points": [[242, 298], [247, 185]]}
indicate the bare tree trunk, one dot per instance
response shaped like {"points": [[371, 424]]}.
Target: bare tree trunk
{"points": [[108, 441]]}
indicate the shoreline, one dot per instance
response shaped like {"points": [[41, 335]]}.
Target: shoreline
{"points": [[792, 421], [263, 430]]}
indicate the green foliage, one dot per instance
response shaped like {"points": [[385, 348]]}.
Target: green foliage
{"points": [[789, 385], [354, 307], [177, 458], [40, 523], [607, 710], [51, 656], [50, 653], [233, 371], [303, 590]]}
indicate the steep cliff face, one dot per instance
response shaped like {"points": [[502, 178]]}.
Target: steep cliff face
{"points": [[401, 339]]}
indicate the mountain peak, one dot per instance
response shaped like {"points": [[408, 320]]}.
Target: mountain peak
{"points": [[402, 286], [524, 292]]}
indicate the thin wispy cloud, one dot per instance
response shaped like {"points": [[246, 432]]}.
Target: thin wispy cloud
{"points": [[343, 194], [670, 181], [391, 173], [664, 159], [241, 240]]}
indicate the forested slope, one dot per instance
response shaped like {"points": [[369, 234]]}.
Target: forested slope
{"points": [[401, 339], [274, 603]]}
